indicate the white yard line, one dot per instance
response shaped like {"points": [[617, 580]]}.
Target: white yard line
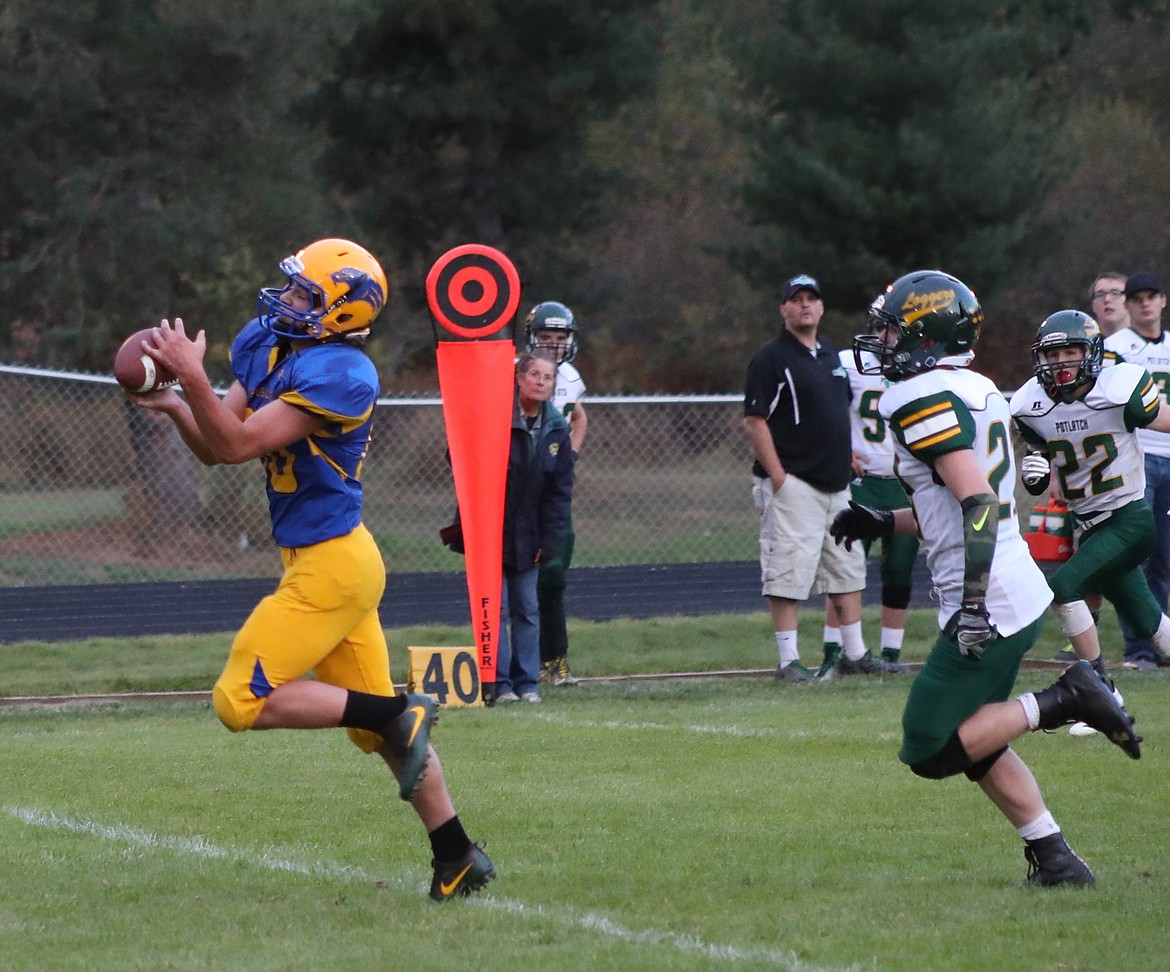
{"points": [[595, 923]]}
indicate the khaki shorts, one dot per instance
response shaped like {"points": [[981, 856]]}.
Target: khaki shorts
{"points": [[798, 558]]}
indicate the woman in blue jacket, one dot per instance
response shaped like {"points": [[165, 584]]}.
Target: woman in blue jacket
{"points": [[536, 515]]}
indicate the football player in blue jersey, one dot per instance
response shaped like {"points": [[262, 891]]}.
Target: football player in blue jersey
{"points": [[302, 402]]}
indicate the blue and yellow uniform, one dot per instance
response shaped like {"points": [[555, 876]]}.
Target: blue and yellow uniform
{"points": [[323, 616]]}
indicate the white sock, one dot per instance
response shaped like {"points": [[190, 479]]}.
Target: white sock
{"points": [[892, 638], [1161, 637], [851, 640], [786, 643], [1042, 826], [1031, 709], [832, 635]]}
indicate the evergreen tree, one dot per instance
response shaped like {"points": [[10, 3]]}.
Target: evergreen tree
{"points": [[454, 122], [151, 167], [889, 135]]}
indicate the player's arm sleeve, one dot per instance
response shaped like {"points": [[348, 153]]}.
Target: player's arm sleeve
{"points": [[1141, 409], [980, 529]]}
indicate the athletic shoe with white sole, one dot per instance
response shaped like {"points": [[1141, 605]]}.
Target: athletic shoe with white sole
{"points": [[1080, 729], [1081, 695]]}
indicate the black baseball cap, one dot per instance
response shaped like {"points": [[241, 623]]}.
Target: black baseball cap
{"points": [[798, 283], [1138, 282]]}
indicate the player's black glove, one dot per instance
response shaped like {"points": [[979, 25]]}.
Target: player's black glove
{"points": [[861, 523], [974, 629]]}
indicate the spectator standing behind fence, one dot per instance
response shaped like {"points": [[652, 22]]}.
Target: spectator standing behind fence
{"points": [[537, 501], [1145, 343], [302, 401], [955, 454], [878, 487], [551, 328], [796, 413], [1107, 299]]}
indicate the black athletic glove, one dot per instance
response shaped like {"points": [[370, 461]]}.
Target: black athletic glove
{"points": [[974, 629], [861, 523]]}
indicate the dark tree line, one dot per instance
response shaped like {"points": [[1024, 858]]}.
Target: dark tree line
{"points": [[658, 164]]}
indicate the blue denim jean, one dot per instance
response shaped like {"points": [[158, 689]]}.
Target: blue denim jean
{"points": [[1157, 568], [518, 657]]}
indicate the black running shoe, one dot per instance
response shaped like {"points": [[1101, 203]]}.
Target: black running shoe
{"points": [[463, 876], [1051, 862], [1081, 695]]}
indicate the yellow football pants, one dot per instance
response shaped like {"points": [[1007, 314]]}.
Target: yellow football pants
{"points": [[322, 618]]}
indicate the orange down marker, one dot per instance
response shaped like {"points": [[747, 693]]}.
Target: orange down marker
{"points": [[473, 292]]}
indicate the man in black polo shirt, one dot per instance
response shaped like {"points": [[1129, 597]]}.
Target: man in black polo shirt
{"points": [[796, 412]]}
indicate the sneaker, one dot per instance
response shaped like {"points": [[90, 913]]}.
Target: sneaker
{"points": [[562, 675], [530, 697], [409, 738], [1065, 655], [463, 876], [1051, 862], [891, 655], [505, 697], [1080, 729], [1140, 664], [828, 669], [794, 672], [548, 670], [868, 665], [1081, 695]]}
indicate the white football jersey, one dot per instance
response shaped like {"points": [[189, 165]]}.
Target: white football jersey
{"points": [[1154, 356], [938, 412], [1091, 442], [570, 387], [871, 438]]}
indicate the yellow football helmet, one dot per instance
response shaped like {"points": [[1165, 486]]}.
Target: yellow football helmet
{"points": [[348, 288]]}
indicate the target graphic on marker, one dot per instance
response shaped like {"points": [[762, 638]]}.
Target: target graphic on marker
{"points": [[473, 290]]}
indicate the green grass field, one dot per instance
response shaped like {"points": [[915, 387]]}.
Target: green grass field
{"points": [[702, 823]]}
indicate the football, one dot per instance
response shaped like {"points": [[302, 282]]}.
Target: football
{"points": [[136, 370]]}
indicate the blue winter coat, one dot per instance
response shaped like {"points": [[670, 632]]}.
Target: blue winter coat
{"points": [[539, 490]]}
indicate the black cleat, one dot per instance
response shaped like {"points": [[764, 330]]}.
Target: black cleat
{"points": [[409, 738], [463, 876], [1080, 695], [1051, 862], [868, 665]]}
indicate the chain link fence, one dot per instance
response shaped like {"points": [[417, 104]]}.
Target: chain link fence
{"points": [[94, 490]]}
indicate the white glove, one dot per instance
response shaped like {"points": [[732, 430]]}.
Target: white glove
{"points": [[1034, 468]]}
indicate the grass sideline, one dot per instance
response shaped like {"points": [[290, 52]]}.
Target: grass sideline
{"points": [[691, 824]]}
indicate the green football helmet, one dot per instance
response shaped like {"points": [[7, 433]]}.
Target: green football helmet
{"points": [[1067, 329], [934, 319], [552, 316]]}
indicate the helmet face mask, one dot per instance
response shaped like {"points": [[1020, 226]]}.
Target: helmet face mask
{"points": [[1062, 376], [347, 287], [923, 320], [550, 328]]}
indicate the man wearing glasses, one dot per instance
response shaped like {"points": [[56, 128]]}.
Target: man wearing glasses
{"points": [[1108, 302]]}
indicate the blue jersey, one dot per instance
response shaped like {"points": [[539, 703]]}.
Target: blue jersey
{"points": [[314, 484]]}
